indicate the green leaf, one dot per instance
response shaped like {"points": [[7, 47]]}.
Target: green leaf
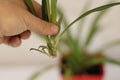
{"points": [[83, 21], [101, 8], [30, 7], [41, 72], [45, 10], [81, 25], [111, 61], [94, 28], [60, 22], [53, 11], [94, 61], [64, 23], [108, 45], [48, 9]]}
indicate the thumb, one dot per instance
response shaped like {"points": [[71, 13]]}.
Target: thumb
{"points": [[38, 25]]}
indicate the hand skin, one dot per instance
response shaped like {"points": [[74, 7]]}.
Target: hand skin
{"points": [[16, 22]]}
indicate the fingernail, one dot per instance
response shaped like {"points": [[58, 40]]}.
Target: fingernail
{"points": [[15, 42], [54, 29]]}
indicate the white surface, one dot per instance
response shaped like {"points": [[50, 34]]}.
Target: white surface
{"points": [[25, 72], [112, 72], [20, 63]]}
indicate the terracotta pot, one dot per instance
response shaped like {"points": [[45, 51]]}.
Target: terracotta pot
{"points": [[88, 76]]}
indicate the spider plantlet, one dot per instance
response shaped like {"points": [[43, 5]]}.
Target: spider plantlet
{"points": [[49, 14]]}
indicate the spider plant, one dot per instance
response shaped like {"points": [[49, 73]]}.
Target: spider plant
{"points": [[50, 14], [76, 60]]}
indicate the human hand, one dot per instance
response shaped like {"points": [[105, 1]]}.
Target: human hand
{"points": [[16, 22]]}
